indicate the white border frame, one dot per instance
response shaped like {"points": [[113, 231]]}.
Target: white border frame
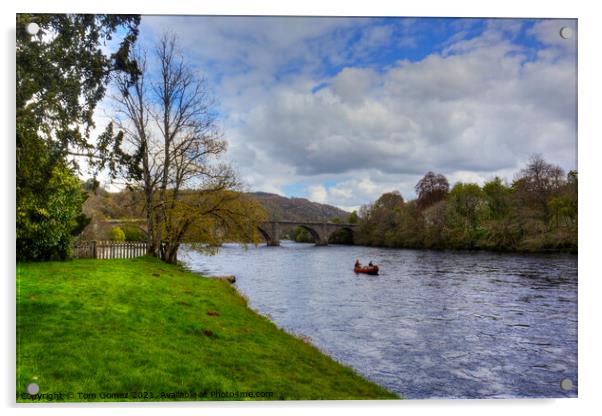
{"points": [[590, 24]]}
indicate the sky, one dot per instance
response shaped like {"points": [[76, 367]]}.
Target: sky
{"points": [[341, 110]]}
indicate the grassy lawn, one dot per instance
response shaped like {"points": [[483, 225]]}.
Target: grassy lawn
{"points": [[92, 328]]}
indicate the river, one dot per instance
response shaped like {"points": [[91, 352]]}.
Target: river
{"points": [[431, 325]]}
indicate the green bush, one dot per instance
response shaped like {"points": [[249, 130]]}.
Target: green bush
{"points": [[49, 215], [133, 233], [117, 234]]}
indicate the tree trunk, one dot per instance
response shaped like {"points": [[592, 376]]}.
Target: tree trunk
{"points": [[171, 253], [158, 233], [150, 225]]}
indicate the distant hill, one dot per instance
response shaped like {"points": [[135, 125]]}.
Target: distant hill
{"points": [[297, 209]]}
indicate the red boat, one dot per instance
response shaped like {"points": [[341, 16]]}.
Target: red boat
{"points": [[366, 269]]}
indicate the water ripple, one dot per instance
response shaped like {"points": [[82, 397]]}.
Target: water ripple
{"points": [[432, 325]]}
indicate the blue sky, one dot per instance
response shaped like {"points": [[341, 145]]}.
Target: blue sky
{"points": [[340, 110]]}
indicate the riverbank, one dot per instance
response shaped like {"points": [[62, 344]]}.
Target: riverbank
{"points": [[115, 329], [493, 250]]}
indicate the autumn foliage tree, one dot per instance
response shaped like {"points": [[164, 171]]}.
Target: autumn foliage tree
{"points": [[173, 148], [536, 185], [430, 189]]}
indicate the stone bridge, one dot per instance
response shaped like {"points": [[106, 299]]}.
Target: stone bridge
{"points": [[273, 231]]}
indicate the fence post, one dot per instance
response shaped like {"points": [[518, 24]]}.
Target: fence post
{"points": [[162, 250], [94, 249]]}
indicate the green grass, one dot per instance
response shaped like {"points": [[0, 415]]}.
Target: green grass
{"points": [[140, 325]]}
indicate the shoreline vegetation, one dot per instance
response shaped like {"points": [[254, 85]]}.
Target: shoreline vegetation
{"points": [[536, 213], [141, 329]]}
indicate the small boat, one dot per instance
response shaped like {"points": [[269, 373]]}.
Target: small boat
{"points": [[366, 269]]}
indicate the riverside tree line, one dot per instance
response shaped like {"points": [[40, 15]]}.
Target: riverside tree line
{"points": [[536, 212]]}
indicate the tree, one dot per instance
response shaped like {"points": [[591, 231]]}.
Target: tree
{"points": [[430, 189], [353, 218], [378, 219], [174, 145], [497, 196], [537, 184], [389, 201], [207, 218], [144, 164], [411, 226], [502, 222], [62, 74], [45, 226], [563, 207], [466, 201], [571, 194], [436, 218]]}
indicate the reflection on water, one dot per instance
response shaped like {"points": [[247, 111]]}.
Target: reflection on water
{"points": [[431, 325]]}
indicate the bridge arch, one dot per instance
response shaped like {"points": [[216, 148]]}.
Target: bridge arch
{"points": [[267, 237], [320, 231], [345, 227], [348, 229], [318, 239]]}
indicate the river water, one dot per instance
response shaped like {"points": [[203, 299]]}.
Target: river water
{"points": [[431, 325]]}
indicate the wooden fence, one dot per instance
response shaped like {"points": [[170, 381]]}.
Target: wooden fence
{"points": [[110, 249]]}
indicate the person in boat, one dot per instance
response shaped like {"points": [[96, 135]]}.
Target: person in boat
{"points": [[358, 264], [370, 264]]}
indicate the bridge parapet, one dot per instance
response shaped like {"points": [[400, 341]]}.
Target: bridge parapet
{"points": [[273, 231]]}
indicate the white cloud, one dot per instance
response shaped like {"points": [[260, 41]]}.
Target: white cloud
{"points": [[548, 32], [366, 187], [317, 193], [477, 109], [351, 85]]}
